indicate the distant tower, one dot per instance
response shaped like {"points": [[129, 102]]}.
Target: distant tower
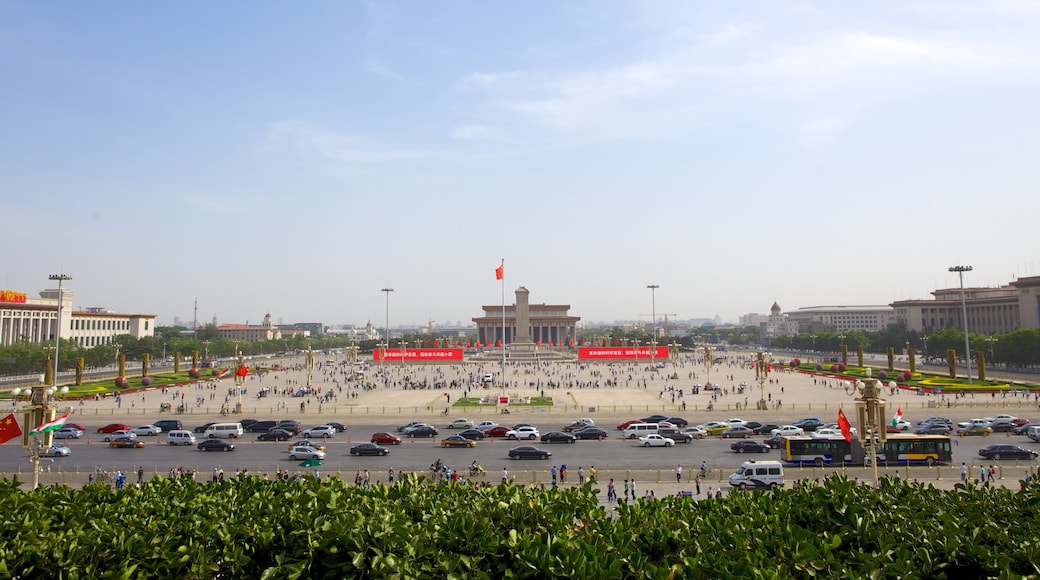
{"points": [[268, 322]]}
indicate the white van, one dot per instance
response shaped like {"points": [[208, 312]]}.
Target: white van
{"points": [[758, 475], [224, 430], [1033, 432], [180, 438], [637, 430]]}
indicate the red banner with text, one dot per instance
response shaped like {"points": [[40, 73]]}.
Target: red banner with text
{"points": [[622, 352], [418, 354]]}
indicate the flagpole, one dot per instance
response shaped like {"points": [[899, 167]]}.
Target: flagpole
{"points": [[503, 267]]}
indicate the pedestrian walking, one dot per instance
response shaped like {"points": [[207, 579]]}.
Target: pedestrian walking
{"points": [[678, 474], [964, 471], [697, 482], [505, 475], [626, 490]]}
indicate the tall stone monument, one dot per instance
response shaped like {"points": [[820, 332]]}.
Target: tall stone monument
{"points": [[522, 343]]}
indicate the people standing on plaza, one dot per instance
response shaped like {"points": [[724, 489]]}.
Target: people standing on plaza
{"points": [[552, 473], [697, 482], [505, 475], [140, 474], [626, 490], [678, 474], [592, 474], [563, 473], [964, 471], [581, 475], [611, 492]]}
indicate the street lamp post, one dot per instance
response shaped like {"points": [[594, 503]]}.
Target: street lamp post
{"points": [[870, 411], [762, 375], [844, 359], [386, 332], [990, 340], [653, 323], [964, 315], [57, 329], [813, 338], [709, 360], [39, 410]]}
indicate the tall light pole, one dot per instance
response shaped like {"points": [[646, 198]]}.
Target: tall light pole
{"points": [[57, 332], [762, 375], [964, 314], [653, 324], [386, 329]]}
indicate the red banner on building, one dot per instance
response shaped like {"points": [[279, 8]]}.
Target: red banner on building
{"points": [[419, 354], [12, 296], [622, 352]]}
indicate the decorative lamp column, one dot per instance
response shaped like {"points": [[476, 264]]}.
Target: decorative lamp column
{"points": [[980, 364], [891, 352], [911, 354], [241, 374], [709, 360], [762, 375], [870, 413], [40, 409]]}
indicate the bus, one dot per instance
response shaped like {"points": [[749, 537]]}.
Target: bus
{"points": [[900, 449]]}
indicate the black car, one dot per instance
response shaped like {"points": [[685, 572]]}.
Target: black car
{"points": [[558, 437], [654, 419], [774, 442], [765, 429], [261, 426], [1021, 429], [290, 425], [749, 446], [1007, 452], [216, 445], [202, 428], [369, 449], [247, 422], [933, 429], [275, 435], [809, 424], [1002, 426], [473, 434], [339, 427], [529, 452], [678, 421], [423, 431], [753, 425], [590, 432], [675, 435]]}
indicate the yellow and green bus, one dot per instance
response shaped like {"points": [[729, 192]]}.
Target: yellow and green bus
{"points": [[898, 449]]}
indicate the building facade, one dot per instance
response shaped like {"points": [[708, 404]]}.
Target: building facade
{"points": [[843, 318], [35, 320], [777, 325], [547, 323], [989, 310], [266, 331]]}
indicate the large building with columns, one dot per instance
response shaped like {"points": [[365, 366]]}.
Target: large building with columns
{"points": [[990, 310], [35, 320], [547, 323]]}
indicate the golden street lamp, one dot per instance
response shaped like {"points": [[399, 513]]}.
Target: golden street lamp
{"points": [[709, 360], [762, 375], [870, 414], [40, 409], [964, 313]]}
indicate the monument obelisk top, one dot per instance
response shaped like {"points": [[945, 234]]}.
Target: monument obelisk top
{"points": [[522, 342]]}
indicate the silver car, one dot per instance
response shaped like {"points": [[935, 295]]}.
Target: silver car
{"points": [[56, 450]]}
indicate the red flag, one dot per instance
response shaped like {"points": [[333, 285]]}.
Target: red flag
{"points": [[539, 342], [845, 426], [583, 341], [499, 343], [9, 428], [500, 271]]}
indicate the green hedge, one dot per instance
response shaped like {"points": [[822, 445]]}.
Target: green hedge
{"points": [[250, 528]]}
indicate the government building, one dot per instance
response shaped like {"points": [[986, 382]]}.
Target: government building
{"points": [[35, 320], [549, 324]]}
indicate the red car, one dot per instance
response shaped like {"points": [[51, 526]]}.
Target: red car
{"points": [[84, 429], [113, 427], [499, 431], [384, 438], [623, 426]]}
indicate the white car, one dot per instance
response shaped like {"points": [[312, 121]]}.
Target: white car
{"points": [[530, 433], [461, 423], [320, 431], [736, 422], [56, 450], [825, 432], [485, 425], [117, 434], [68, 433], [1001, 418], [904, 425], [655, 440], [788, 431], [696, 432], [305, 452], [147, 430], [413, 427]]}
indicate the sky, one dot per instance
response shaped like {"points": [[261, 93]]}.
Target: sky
{"points": [[296, 158]]}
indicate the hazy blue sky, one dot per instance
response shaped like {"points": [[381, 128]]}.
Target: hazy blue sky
{"points": [[296, 157]]}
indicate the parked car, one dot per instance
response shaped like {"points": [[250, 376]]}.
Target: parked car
{"points": [[576, 425], [146, 430], [655, 440], [787, 430], [738, 432], [485, 425], [423, 431], [290, 425], [275, 435], [808, 424], [623, 425], [307, 443], [320, 431], [737, 422], [678, 421], [696, 432], [457, 441], [169, 424], [474, 434], [461, 423], [497, 431], [68, 433], [825, 432], [369, 449], [117, 434], [749, 446], [715, 427], [216, 445], [112, 427], [558, 437], [675, 435], [765, 429], [126, 442], [202, 428], [933, 429], [998, 452], [529, 433], [406, 426], [56, 450], [654, 419], [529, 452], [339, 427], [1002, 426], [775, 441], [306, 452], [245, 423], [258, 427], [753, 425], [384, 438], [976, 429], [590, 432], [84, 429]]}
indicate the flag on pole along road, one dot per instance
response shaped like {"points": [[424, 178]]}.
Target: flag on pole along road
{"points": [[9, 428], [50, 425], [227, 372], [897, 417], [845, 426], [500, 271]]}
